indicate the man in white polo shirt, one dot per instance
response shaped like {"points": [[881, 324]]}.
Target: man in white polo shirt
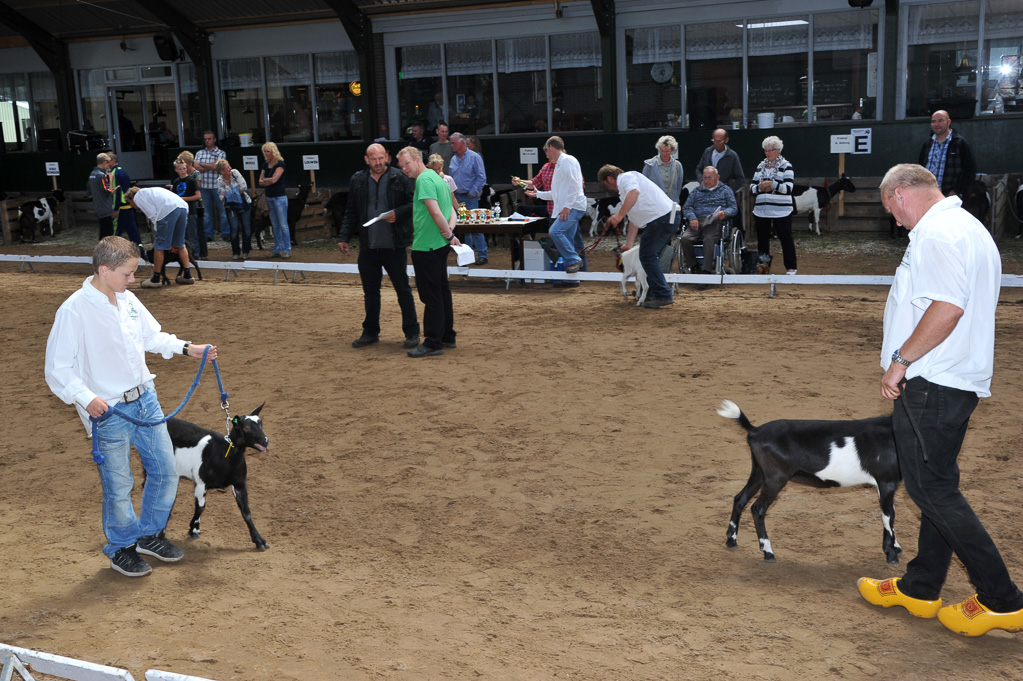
{"points": [[646, 204], [938, 357], [170, 213]]}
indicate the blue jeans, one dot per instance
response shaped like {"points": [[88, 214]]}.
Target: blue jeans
{"points": [[211, 203], [170, 230], [241, 224], [116, 436], [279, 219], [656, 235], [566, 236], [476, 241]]}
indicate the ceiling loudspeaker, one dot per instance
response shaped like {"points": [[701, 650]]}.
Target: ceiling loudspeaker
{"points": [[166, 48], [860, 3]]}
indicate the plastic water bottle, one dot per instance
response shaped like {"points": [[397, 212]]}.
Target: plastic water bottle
{"points": [[560, 265]]}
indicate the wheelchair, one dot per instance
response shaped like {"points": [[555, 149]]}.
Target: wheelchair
{"points": [[727, 251]]}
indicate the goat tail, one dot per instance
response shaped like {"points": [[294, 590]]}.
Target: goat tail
{"points": [[730, 410]]}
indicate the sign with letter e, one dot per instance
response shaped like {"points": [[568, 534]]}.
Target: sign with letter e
{"points": [[529, 155], [861, 140]]}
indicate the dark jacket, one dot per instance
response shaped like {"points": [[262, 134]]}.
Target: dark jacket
{"points": [[960, 166], [400, 191], [729, 167]]}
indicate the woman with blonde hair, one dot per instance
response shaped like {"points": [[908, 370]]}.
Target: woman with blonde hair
{"points": [[436, 164], [271, 177], [772, 188]]}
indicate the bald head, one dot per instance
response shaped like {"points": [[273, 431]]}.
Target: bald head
{"points": [[377, 160], [941, 124]]}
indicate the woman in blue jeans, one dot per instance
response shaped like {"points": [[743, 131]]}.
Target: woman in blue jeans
{"points": [[234, 193], [272, 178]]}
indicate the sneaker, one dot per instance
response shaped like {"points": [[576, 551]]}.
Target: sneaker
{"points": [[971, 618], [184, 279], [886, 594], [655, 303], [411, 342], [574, 267], [450, 345], [790, 272], [423, 351], [364, 340], [286, 255], [159, 548], [127, 562], [236, 257], [149, 283]]}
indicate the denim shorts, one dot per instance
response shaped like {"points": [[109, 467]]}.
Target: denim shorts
{"points": [[170, 231]]}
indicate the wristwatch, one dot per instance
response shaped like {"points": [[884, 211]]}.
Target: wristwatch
{"points": [[184, 350], [897, 357]]}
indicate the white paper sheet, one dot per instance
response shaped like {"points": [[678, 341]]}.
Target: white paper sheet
{"points": [[377, 218], [465, 255]]}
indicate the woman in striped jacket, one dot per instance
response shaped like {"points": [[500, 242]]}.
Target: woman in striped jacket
{"points": [[772, 187]]}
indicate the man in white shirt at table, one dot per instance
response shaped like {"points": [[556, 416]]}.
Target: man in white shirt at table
{"points": [[569, 203]]}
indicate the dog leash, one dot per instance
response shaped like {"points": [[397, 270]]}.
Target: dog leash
{"points": [[96, 420], [607, 228]]}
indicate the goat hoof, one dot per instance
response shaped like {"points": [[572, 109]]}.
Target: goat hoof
{"points": [[769, 558], [893, 561], [193, 534], [261, 544], [731, 543]]}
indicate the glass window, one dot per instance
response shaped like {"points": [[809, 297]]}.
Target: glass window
{"points": [[94, 116], [162, 127], [121, 75], [522, 83], [576, 88], [653, 65], [942, 58], [714, 74], [241, 85], [14, 112], [162, 72], [420, 97], [288, 80], [190, 110], [44, 111], [470, 73], [1003, 64], [845, 65], [339, 101], [778, 64]]}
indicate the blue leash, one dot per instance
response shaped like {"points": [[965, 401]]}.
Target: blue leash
{"points": [[98, 458]]}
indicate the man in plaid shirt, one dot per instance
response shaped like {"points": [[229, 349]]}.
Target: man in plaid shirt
{"points": [[206, 162], [948, 156]]}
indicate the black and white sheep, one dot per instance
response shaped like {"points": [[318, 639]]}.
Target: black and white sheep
{"points": [[820, 454], [213, 461]]}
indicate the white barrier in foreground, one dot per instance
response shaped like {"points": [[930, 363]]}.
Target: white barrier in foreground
{"points": [[76, 670], [296, 268]]}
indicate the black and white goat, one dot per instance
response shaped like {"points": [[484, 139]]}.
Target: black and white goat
{"points": [[820, 454], [212, 461], [38, 214], [599, 210], [810, 201]]}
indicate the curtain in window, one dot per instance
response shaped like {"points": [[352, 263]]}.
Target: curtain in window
{"points": [[654, 45], [289, 71], [575, 50], [844, 30], [420, 61], [949, 22], [1004, 19], [337, 67], [468, 59], [714, 41], [236, 74], [522, 54], [770, 37]]}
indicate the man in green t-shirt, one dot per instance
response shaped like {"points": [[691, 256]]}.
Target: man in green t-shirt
{"points": [[433, 225]]}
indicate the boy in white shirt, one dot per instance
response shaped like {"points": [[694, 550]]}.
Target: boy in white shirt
{"points": [[170, 213], [95, 360]]}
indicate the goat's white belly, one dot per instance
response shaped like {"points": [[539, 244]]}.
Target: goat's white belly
{"points": [[188, 459], [844, 466]]}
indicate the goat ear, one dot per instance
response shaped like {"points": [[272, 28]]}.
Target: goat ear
{"points": [[255, 412], [235, 420]]}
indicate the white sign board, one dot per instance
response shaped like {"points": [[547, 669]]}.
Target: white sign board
{"points": [[311, 162], [841, 144], [52, 169], [250, 163], [861, 140], [529, 155]]}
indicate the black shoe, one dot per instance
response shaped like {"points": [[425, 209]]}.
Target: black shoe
{"points": [[450, 345], [655, 303], [481, 261], [127, 562], [159, 548], [411, 342], [423, 351], [364, 340]]}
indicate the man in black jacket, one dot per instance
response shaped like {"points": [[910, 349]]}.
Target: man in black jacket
{"points": [[381, 192], [948, 156]]}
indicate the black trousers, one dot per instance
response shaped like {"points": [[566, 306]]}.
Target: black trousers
{"points": [[431, 269], [106, 226], [783, 226], [395, 262], [947, 525]]}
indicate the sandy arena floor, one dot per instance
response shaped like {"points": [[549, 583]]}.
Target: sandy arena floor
{"points": [[547, 501]]}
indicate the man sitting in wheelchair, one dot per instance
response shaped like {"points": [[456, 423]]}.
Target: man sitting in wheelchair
{"points": [[704, 213]]}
